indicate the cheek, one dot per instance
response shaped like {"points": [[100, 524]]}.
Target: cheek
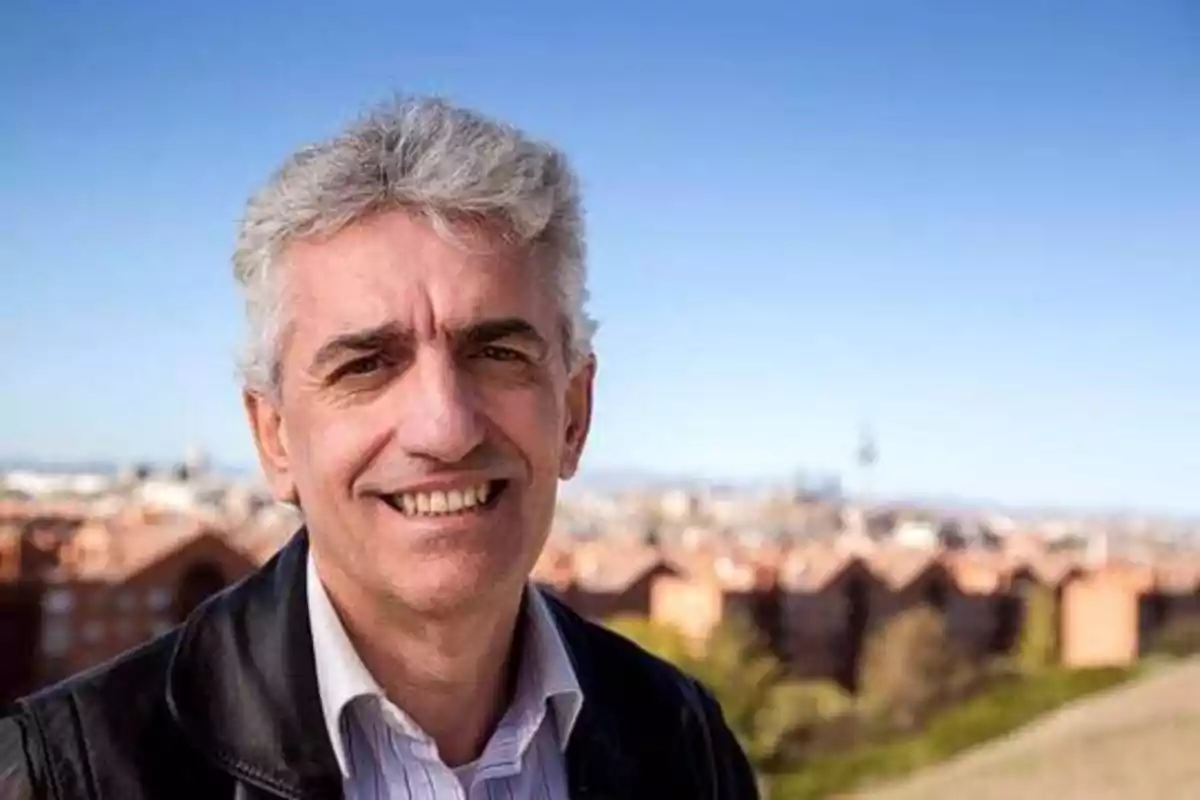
{"points": [[533, 422], [334, 445]]}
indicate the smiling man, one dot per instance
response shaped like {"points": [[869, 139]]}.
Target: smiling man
{"points": [[418, 379]]}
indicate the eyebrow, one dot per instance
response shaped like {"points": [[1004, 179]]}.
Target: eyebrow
{"points": [[368, 340], [392, 336], [495, 330]]}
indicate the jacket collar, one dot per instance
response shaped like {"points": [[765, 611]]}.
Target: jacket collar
{"points": [[242, 685], [242, 682]]}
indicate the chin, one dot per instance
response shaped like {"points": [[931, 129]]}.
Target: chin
{"points": [[454, 582]]}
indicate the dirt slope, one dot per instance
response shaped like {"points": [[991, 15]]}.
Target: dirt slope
{"points": [[1139, 742]]}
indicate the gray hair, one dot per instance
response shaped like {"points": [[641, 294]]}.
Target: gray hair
{"points": [[422, 154]]}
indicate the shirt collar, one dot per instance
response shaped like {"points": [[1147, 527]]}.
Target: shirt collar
{"points": [[546, 674], [554, 673]]}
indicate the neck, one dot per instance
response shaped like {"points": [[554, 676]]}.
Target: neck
{"points": [[450, 674]]}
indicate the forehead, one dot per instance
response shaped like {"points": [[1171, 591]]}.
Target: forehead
{"points": [[395, 267]]}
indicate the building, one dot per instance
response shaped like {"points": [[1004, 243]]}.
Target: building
{"points": [[76, 589], [75, 592]]}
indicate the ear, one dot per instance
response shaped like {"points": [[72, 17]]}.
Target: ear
{"points": [[578, 417], [270, 439]]}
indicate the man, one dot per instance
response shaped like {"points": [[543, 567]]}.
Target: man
{"points": [[418, 379]]}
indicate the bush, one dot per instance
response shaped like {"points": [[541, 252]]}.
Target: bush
{"points": [[767, 711], [995, 712], [1011, 704], [1179, 638], [664, 641], [825, 699], [910, 667]]}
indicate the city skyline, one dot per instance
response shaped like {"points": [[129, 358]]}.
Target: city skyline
{"points": [[972, 229], [620, 481]]}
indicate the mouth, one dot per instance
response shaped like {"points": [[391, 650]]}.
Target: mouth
{"points": [[447, 503]]}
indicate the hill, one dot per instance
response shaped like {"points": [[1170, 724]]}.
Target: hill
{"points": [[1138, 741]]}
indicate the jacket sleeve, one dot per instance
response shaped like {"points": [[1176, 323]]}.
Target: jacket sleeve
{"points": [[731, 774], [16, 775]]}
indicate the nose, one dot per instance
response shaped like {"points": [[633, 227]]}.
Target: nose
{"points": [[440, 419]]}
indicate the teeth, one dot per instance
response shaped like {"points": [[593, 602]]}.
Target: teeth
{"points": [[453, 501]]}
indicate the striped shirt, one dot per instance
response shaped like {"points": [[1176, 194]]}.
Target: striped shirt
{"points": [[384, 754]]}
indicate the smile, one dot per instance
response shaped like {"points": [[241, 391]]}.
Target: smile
{"points": [[443, 503]]}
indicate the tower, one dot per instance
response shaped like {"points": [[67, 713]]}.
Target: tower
{"points": [[866, 455]]}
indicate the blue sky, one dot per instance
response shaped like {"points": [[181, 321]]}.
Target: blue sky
{"points": [[974, 226]]}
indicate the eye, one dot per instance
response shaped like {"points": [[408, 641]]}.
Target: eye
{"points": [[360, 366], [498, 353]]}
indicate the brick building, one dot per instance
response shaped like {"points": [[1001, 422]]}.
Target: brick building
{"points": [[75, 592], [828, 605], [819, 602]]}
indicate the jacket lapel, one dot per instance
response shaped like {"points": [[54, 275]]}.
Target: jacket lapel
{"points": [[243, 687], [596, 767]]}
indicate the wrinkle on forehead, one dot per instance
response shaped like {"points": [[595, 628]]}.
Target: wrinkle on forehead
{"points": [[394, 268]]}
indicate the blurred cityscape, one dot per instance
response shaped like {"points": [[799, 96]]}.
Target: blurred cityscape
{"points": [[94, 561]]}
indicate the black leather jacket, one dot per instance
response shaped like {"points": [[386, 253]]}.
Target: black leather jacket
{"points": [[227, 706]]}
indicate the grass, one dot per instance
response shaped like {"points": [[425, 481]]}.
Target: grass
{"points": [[1002, 708]]}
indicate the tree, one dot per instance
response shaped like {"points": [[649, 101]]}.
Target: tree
{"points": [[766, 710], [664, 641], [1037, 648], [909, 666]]}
